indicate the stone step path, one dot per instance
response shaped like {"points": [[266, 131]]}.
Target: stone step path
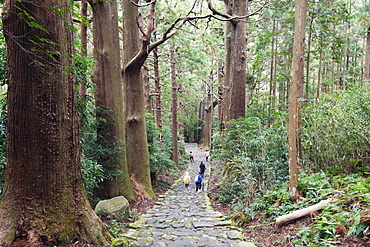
{"points": [[185, 218]]}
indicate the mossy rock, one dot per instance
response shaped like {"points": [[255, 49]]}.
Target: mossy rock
{"points": [[120, 242], [117, 206]]}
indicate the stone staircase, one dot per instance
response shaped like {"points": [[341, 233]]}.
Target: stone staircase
{"points": [[184, 218]]}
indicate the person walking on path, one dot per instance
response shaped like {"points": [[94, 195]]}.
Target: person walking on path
{"points": [[191, 157], [207, 155], [186, 181], [202, 168], [198, 182]]}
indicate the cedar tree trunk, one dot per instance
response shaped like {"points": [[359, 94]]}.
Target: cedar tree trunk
{"points": [[83, 33], [208, 118], [109, 100], [235, 61], [295, 93], [227, 70], [136, 137], [175, 148], [158, 103], [44, 200], [367, 58]]}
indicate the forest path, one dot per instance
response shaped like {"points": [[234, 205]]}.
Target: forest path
{"points": [[185, 218]]}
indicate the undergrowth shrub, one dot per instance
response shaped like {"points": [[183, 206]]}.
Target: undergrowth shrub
{"points": [[336, 132], [94, 151], [255, 159], [236, 184], [98, 146], [93, 174], [159, 151], [350, 198]]}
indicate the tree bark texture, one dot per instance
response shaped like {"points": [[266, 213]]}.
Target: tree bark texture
{"points": [[181, 111], [83, 31], [295, 93], [307, 90], [272, 99], [208, 118], [281, 220], [319, 76], [136, 137], [146, 89], [44, 200], [158, 103], [227, 69], [221, 99], [235, 60], [367, 58], [145, 76], [175, 134], [110, 101]]}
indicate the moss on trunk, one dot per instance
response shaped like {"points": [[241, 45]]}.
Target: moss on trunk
{"points": [[44, 200]]}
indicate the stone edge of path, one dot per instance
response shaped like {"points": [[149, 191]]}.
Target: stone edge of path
{"points": [[132, 235]]}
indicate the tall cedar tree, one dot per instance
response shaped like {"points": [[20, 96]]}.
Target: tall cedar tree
{"points": [[235, 74], [367, 56], [136, 137], [232, 104], [174, 119], [208, 117], [44, 200], [136, 50], [110, 101], [295, 93], [158, 103]]}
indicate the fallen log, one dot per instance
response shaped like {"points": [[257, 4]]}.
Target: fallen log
{"points": [[301, 212]]}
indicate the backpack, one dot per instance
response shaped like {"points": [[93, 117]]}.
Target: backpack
{"points": [[186, 180], [198, 178]]}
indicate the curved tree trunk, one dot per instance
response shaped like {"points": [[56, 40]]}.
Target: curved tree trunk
{"points": [[44, 198], [109, 100], [136, 137]]}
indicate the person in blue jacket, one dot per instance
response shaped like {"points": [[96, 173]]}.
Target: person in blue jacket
{"points": [[198, 182]]}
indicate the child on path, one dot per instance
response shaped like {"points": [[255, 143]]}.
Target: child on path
{"points": [[198, 182], [186, 181], [191, 157]]}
